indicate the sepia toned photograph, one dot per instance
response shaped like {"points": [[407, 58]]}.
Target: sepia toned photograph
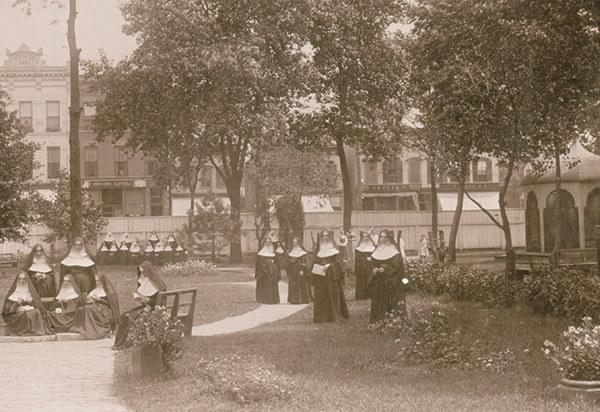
{"points": [[300, 205]]}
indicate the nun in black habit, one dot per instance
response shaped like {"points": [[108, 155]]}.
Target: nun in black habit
{"points": [[298, 272], [267, 274], [387, 284], [80, 265], [328, 277], [363, 251], [40, 272]]}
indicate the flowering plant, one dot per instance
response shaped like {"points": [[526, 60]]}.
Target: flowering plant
{"points": [[188, 268], [577, 356], [155, 327]]}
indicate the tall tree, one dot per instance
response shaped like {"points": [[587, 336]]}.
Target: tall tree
{"points": [[16, 158], [520, 72], [75, 108], [358, 82], [235, 62]]}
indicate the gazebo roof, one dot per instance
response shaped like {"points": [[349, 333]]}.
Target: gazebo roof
{"points": [[587, 168]]}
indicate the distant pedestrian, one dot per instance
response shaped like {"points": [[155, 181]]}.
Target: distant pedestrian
{"points": [[423, 248]]}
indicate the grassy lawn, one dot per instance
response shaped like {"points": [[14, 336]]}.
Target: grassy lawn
{"points": [[343, 367], [215, 300]]}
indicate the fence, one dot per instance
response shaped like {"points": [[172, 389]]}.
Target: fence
{"points": [[476, 229]]}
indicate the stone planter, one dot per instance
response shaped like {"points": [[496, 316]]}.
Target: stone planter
{"points": [[147, 361], [588, 389]]}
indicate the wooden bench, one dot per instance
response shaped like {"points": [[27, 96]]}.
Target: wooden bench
{"points": [[182, 304], [527, 261], [8, 259]]}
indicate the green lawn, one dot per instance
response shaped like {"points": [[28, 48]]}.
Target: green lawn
{"points": [[342, 367], [216, 298]]}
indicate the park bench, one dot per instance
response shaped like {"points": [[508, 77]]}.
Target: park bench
{"points": [[182, 304], [8, 259]]}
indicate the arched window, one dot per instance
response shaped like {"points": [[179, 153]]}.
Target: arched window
{"points": [[591, 217], [392, 171], [569, 222], [414, 170]]}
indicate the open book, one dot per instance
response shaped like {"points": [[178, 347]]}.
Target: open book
{"points": [[319, 270]]}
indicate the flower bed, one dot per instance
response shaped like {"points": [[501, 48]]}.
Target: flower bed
{"points": [[189, 268]]}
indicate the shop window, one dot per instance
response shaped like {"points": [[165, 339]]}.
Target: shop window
{"points": [[156, 201]]}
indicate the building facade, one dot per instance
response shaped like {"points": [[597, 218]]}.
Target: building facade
{"points": [[40, 95]]}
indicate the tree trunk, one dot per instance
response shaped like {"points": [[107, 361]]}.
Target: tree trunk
{"points": [[557, 207], [74, 119], [347, 183], [434, 207], [234, 191], [455, 224]]}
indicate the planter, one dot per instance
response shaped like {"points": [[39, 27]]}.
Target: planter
{"points": [[589, 389], [147, 361]]}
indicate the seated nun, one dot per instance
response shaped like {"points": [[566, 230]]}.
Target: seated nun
{"points": [[135, 253], [298, 273], [267, 274], [80, 265], [23, 311], [149, 284], [102, 254], [64, 308], [99, 312], [153, 239], [123, 254], [40, 272]]}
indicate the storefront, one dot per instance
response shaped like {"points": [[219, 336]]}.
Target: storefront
{"points": [[125, 197]]}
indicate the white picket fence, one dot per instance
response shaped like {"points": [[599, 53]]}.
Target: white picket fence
{"points": [[476, 229]]}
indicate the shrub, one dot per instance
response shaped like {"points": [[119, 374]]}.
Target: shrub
{"points": [[245, 379], [189, 268], [155, 327], [571, 293], [577, 356]]}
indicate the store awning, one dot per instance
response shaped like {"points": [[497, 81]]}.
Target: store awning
{"points": [[489, 200]]}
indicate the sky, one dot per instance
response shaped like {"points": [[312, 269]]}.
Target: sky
{"points": [[98, 23]]}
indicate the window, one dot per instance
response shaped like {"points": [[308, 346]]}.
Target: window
{"points": [[392, 171], [205, 180], [156, 201], [52, 116], [89, 112], [220, 182], [151, 167], [120, 161], [482, 170], [53, 162], [414, 170], [371, 173], [26, 116], [90, 159]]}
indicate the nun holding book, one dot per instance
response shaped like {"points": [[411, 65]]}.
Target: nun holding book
{"points": [[267, 274], [328, 276], [387, 285], [23, 311], [363, 251], [298, 273]]}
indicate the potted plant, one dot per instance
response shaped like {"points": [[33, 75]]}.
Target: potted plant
{"points": [[577, 358], [156, 341]]}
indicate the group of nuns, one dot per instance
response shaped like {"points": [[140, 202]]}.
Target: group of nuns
{"points": [[78, 299], [130, 252], [379, 275]]}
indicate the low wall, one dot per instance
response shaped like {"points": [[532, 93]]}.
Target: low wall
{"points": [[476, 229]]}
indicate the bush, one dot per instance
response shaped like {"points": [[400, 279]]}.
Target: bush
{"points": [[155, 327], [245, 379], [571, 293], [189, 268], [577, 356]]}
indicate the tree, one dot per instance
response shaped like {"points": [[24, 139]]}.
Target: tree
{"points": [[16, 158], [357, 82], [285, 174], [143, 105], [236, 63], [55, 214], [518, 73], [74, 110]]}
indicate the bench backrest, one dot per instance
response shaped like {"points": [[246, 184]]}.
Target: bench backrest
{"points": [[182, 304]]}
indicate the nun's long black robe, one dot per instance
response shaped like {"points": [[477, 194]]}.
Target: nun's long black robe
{"points": [[299, 280], [25, 323], [97, 317], [83, 277], [62, 321], [267, 276], [361, 274], [385, 288], [330, 302]]}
